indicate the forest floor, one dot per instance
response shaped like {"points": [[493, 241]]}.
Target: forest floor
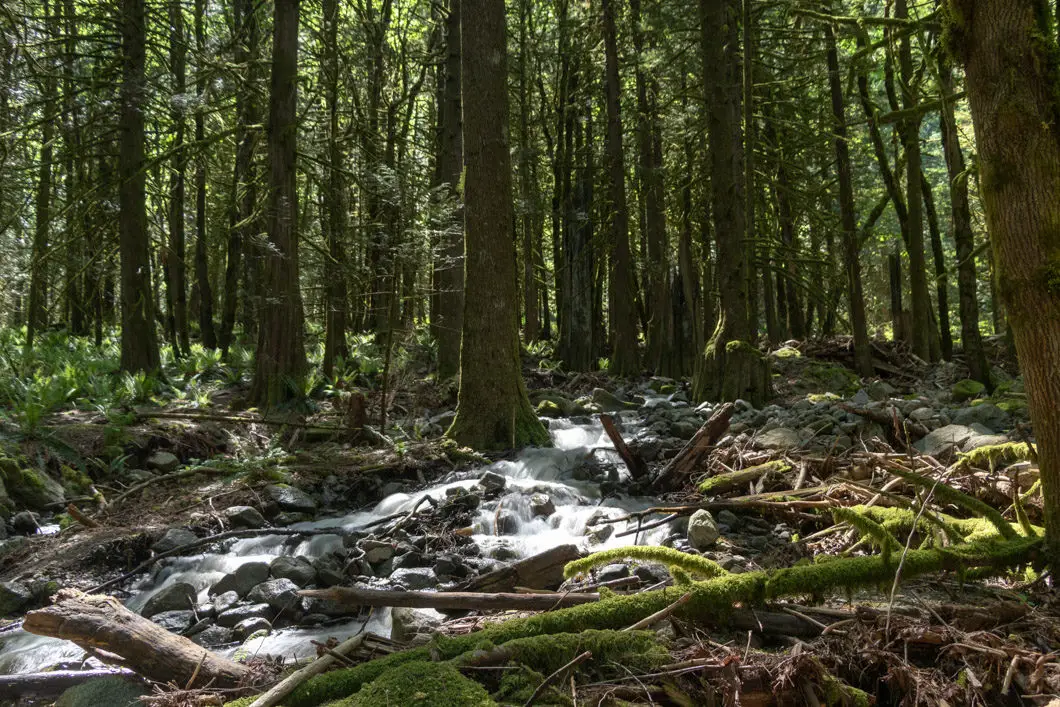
{"points": [[97, 495]]}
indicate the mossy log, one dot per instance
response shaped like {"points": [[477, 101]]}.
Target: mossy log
{"points": [[723, 483]]}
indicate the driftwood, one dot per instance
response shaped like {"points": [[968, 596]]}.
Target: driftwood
{"points": [[47, 686], [101, 625], [541, 571], [355, 597], [686, 461], [638, 469]]}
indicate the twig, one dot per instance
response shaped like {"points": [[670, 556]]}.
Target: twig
{"points": [[905, 552], [80, 517], [286, 686], [578, 660], [195, 673], [659, 615]]}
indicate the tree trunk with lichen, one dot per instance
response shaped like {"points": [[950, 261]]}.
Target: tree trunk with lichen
{"points": [[730, 367], [1009, 55], [493, 411]]}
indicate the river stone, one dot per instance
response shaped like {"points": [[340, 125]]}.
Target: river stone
{"points": [[289, 498], [986, 414], [225, 601], [542, 505], [450, 567], [922, 414], [702, 530], [413, 626], [246, 577], [14, 596], [781, 438], [297, 569], [25, 522], [173, 597], [163, 461], [943, 440], [213, 637], [174, 621], [110, 691], [507, 523], [413, 558], [492, 481], [983, 440], [233, 616], [174, 538], [610, 573], [244, 517], [248, 627], [376, 551], [277, 593], [414, 577], [607, 401], [329, 570], [729, 518]]}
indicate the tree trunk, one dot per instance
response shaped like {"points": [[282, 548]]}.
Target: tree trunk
{"points": [[851, 255], [202, 269], [730, 367], [281, 363], [334, 201], [941, 338], [139, 347], [527, 194], [624, 359], [493, 411], [963, 237], [1007, 51], [176, 286]]}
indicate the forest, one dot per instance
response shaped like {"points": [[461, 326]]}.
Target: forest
{"points": [[540, 352]]}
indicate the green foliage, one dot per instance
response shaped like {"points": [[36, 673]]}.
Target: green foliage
{"points": [[869, 529], [421, 683], [992, 455], [948, 494], [693, 564], [966, 390]]}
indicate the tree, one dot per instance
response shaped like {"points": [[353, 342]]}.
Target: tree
{"points": [[493, 410], [1009, 55], [202, 265], [139, 347], [175, 289], [334, 221], [280, 365]]}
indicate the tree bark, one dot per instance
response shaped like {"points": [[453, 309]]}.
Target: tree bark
{"points": [[1008, 51], [176, 287], [493, 411], [281, 362], [139, 347], [334, 201], [202, 268]]}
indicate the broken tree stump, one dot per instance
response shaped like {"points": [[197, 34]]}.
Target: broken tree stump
{"points": [[541, 571], [633, 461], [100, 623], [686, 461]]}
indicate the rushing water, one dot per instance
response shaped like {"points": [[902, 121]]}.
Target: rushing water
{"points": [[550, 471]]}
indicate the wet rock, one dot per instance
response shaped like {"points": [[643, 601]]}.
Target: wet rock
{"points": [[246, 577], [290, 518], [278, 593], [289, 498], [651, 574], [376, 551], [781, 438], [225, 601], [507, 523], [13, 597], [609, 402], [109, 691], [610, 573], [729, 518], [329, 570], [986, 414], [922, 414], [213, 637], [448, 567], [174, 621], [25, 522], [414, 577], [683, 430], [541, 505], [248, 627], [174, 538], [880, 390], [173, 597], [33, 488], [492, 482], [702, 530], [414, 626], [234, 615], [413, 558], [313, 619], [943, 441], [244, 517], [163, 462], [600, 534], [297, 569]]}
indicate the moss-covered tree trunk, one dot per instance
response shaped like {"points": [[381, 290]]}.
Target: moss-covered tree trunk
{"points": [[1010, 59], [730, 367], [493, 410], [280, 363]]}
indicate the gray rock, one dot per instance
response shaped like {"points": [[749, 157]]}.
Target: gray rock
{"points": [[329, 570], [297, 569], [860, 398], [413, 626], [233, 616], [246, 577], [492, 481], [244, 517], [880, 390], [922, 414], [450, 567], [109, 691], [414, 577], [413, 558], [25, 522], [942, 442], [986, 414], [609, 573], [162, 461], [781, 438], [173, 597], [278, 593], [376, 551], [174, 621], [983, 440], [541, 505], [224, 602], [683, 430], [507, 523], [729, 518], [174, 538], [289, 498], [213, 637], [702, 530], [607, 401], [14, 596], [248, 627]]}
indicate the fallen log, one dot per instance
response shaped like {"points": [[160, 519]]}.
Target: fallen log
{"points": [[686, 461], [541, 571], [48, 686], [633, 461], [100, 623], [355, 597], [286, 686]]}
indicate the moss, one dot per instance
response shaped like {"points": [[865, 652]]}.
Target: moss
{"points": [[637, 650], [421, 683], [548, 408], [76, 481], [110, 691], [664, 555], [786, 352], [869, 528], [342, 683], [1012, 405], [668, 389], [818, 398], [949, 494], [740, 346], [726, 482], [966, 390], [993, 454], [517, 686], [457, 454]]}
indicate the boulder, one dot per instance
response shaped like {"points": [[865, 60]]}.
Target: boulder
{"points": [[780, 438], [703, 531], [492, 481], [278, 593], [213, 637], [225, 601], [414, 577], [244, 517], [174, 621], [248, 627], [32, 488], [413, 626], [329, 570], [289, 498], [163, 462], [179, 596], [983, 440], [610, 573], [233, 616], [966, 390], [174, 538], [13, 597], [376, 551], [609, 402], [246, 577], [986, 414], [945, 440], [297, 569], [541, 505], [110, 691], [26, 522]]}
